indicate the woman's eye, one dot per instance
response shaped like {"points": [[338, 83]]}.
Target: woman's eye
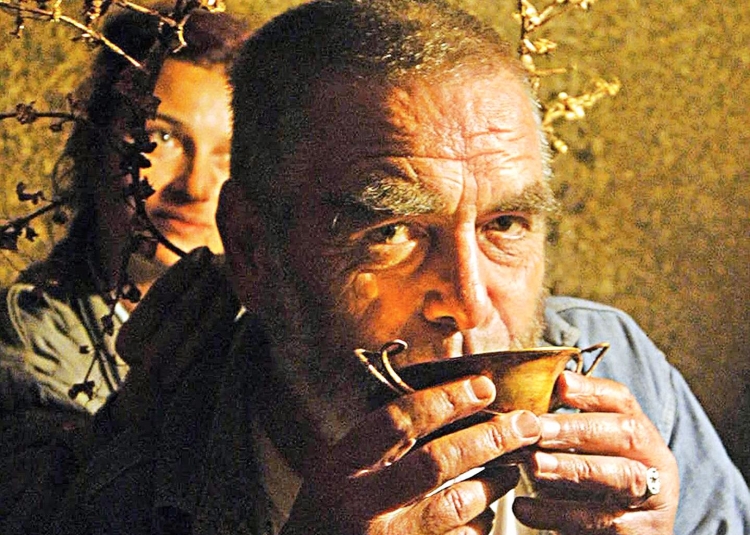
{"points": [[168, 145], [161, 137], [510, 227]]}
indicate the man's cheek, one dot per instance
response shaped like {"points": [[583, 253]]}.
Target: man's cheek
{"points": [[366, 288], [375, 305], [359, 296]]}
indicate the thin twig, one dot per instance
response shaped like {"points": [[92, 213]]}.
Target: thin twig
{"points": [[20, 222], [39, 115], [147, 11], [55, 16]]}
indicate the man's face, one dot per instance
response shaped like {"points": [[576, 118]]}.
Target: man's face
{"points": [[420, 216]]}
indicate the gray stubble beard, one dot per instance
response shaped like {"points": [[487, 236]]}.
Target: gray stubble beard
{"points": [[335, 392]]}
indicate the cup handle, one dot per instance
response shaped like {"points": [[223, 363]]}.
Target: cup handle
{"points": [[388, 376], [601, 347]]}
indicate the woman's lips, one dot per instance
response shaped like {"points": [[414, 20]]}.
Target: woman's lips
{"points": [[182, 222]]}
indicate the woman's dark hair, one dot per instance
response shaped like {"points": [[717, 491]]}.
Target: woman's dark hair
{"points": [[212, 38]]}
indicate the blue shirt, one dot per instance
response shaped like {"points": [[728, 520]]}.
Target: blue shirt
{"points": [[714, 498]]}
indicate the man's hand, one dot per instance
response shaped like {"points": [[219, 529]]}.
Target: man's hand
{"points": [[381, 478], [591, 476]]}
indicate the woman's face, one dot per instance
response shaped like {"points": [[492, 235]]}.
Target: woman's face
{"points": [[192, 132]]}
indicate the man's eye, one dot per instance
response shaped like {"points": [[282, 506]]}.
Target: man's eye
{"points": [[511, 227], [393, 245], [389, 234]]}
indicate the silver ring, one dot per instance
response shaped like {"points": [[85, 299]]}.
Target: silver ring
{"points": [[653, 484], [653, 487]]}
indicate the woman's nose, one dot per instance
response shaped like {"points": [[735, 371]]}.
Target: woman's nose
{"points": [[199, 179]]}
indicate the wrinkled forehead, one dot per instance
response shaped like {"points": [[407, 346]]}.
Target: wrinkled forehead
{"points": [[464, 115], [464, 104]]}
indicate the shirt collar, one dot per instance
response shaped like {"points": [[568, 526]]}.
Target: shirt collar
{"points": [[557, 331]]}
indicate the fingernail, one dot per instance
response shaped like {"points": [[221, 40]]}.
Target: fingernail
{"points": [[545, 462], [526, 424], [483, 388], [550, 427]]}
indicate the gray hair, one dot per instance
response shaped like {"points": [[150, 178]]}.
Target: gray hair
{"points": [[380, 41]]}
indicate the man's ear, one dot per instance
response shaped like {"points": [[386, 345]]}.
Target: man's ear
{"points": [[239, 225]]}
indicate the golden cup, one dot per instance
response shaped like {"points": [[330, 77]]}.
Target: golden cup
{"points": [[524, 379]]}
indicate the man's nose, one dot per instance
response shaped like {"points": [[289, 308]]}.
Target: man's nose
{"points": [[457, 294]]}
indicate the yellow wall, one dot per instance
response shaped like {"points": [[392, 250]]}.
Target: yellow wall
{"points": [[656, 187]]}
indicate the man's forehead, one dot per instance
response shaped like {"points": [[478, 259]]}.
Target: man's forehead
{"points": [[452, 114]]}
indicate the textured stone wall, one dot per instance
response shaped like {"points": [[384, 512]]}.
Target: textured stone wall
{"points": [[657, 194], [655, 188]]}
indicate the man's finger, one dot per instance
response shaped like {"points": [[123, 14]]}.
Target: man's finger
{"points": [[594, 394], [481, 525], [566, 516], [428, 467], [620, 479], [387, 434], [601, 434], [462, 505]]}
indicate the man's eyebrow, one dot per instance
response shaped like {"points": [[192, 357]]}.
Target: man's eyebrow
{"points": [[388, 193], [536, 198]]}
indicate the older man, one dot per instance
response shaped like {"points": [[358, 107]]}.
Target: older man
{"points": [[389, 182]]}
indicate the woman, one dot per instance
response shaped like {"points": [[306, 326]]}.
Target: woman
{"points": [[59, 320]]}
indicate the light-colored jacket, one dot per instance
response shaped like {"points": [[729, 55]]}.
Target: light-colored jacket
{"points": [[52, 337]]}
